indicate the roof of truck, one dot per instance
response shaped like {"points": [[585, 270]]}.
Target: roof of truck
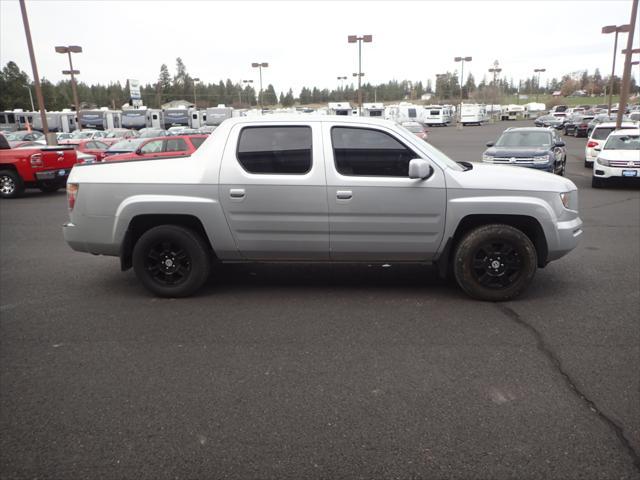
{"points": [[309, 118]]}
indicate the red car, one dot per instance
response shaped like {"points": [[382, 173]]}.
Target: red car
{"points": [[92, 147], [173, 146]]}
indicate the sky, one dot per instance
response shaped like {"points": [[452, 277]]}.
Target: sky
{"points": [[305, 42]]}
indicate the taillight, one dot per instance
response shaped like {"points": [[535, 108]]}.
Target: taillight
{"points": [[72, 193], [36, 160], [592, 144]]}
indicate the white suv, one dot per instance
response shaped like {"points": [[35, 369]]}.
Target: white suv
{"points": [[620, 157], [598, 137]]}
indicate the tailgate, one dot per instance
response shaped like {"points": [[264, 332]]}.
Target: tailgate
{"points": [[56, 157]]}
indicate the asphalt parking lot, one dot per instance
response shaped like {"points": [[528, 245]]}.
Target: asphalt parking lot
{"points": [[322, 371]]}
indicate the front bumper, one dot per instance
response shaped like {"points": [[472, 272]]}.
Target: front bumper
{"points": [[567, 237], [602, 171]]}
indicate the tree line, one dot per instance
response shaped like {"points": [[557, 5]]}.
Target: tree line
{"points": [[15, 86]]}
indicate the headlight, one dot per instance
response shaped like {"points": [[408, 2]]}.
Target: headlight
{"points": [[541, 159], [570, 200], [487, 158], [602, 161]]}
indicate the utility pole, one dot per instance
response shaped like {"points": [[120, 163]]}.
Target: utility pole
{"points": [[626, 76], [195, 96], [495, 71], [538, 70], [260, 65], [462, 60], [34, 68]]}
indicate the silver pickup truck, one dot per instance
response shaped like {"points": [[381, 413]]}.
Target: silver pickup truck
{"points": [[321, 189]]}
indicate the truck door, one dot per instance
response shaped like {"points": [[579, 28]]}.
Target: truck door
{"points": [[376, 212], [273, 191]]}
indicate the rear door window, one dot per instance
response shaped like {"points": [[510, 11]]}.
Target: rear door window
{"points": [[175, 145], [275, 150], [196, 142]]}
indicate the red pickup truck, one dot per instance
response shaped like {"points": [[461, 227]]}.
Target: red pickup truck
{"points": [[46, 168]]}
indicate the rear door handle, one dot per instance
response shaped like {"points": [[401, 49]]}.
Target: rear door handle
{"points": [[344, 194], [236, 193]]}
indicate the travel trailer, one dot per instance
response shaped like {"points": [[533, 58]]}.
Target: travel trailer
{"points": [[437, 115], [512, 112], [339, 108], [176, 117], [404, 112], [472, 113], [216, 115], [138, 118], [373, 110], [102, 119]]}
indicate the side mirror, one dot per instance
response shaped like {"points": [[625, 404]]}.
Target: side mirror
{"points": [[419, 169], [139, 151], [560, 144], [490, 144]]}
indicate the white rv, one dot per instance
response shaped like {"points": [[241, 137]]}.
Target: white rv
{"points": [[64, 121], [373, 110], [102, 119], [217, 115], [404, 112], [175, 117], [339, 108], [138, 118], [534, 110], [512, 112], [197, 118], [437, 115], [472, 113]]}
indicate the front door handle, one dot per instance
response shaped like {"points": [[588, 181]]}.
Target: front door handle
{"points": [[236, 193], [344, 194]]}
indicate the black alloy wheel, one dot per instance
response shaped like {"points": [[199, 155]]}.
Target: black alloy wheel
{"points": [[495, 262]]}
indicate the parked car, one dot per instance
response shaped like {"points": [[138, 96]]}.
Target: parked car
{"points": [[22, 136], [207, 129], [124, 146], [257, 191], [63, 136], [577, 125], [97, 148], [86, 134], [552, 121], [598, 137], [533, 147], [46, 168], [619, 157], [116, 134], [417, 129], [162, 147], [598, 119]]}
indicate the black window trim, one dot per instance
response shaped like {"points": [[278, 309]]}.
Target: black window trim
{"points": [[375, 130], [242, 129]]}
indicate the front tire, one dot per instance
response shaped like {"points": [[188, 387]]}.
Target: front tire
{"points": [[11, 185], [494, 262], [171, 261], [597, 182]]}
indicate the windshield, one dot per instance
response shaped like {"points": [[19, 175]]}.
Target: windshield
{"points": [[152, 133], [414, 128], [524, 139], [125, 145], [115, 134], [623, 142], [12, 137], [80, 134]]}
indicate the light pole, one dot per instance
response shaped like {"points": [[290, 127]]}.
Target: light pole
{"points": [[626, 74], [538, 71], [33, 108], [195, 97], [359, 40], [613, 29], [246, 82], [69, 50], [260, 65], [341, 82], [495, 71], [462, 60]]}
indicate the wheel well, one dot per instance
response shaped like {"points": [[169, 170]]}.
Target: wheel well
{"points": [[528, 225], [9, 166], [141, 223]]}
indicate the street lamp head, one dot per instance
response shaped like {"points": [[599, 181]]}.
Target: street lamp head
{"points": [[457, 59], [69, 72], [75, 49], [538, 70], [624, 28], [609, 29], [255, 65], [62, 49], [352, 38], [367, 38], [264, 65], [468, 59]]}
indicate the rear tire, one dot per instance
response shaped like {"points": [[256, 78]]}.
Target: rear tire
{"points": [[11, 185], [171, 261], [494, 262]]}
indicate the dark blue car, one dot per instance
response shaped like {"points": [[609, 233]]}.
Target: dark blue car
{"points": [[539, 148]]}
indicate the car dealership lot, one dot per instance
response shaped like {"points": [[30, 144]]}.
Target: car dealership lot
{"points": [[322, 371]]}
